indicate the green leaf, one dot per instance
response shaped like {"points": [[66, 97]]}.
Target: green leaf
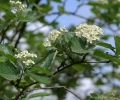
{"points": [[68, 36], [93, 95], [106, 56], [106, 45], [24, 98], [6, 49], [8, 71], [46, 8], [61, 9], [28, 79], [117, 44], [7, 52], [49, 60], [39, 77], [79, 46], [8, 11], [57, 0], [5, 7], [99, 82], [2, 59], [26, 16], [39, 94], [78, 67], [40, 69], [4, 24]]}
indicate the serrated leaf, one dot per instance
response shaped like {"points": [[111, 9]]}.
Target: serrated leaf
{"points": [[78, 67], [5, 7], [39, 77], [68, 36], [6, 49], [49, 60], [4, 24], [40, 69], [106, 56], [8, 71], [117, 44], [2, 59], [106, 45], [39, 94], [28, 79], [8, 11], [7, 52], [78, 47], [25, 16]]}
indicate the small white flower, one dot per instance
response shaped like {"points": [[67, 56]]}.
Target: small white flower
{"points": [[63, 29], [90, 32], [17, 6], [118, 15], [28, 62], [117, 0], [53, 35], [47, 43]]}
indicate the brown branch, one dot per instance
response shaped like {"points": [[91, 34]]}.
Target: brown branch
{"points": [[3, 32], [80, 5], [59, 70], [58, 15], [20, 34], [108, 61], [23, 89], [83, 58], [56, 87]]}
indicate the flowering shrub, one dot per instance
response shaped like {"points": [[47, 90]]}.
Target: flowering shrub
{"points": [[72, 52]]}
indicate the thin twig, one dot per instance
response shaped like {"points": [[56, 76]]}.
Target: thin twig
{"points": [[80, 5], [83, 58], [3, 32], [20, 34], [56, 87], [97, 61], [47, 24], [23, 89]]}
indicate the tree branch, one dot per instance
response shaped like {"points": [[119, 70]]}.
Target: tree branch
{"points": [[3, 32], [23, 89], [20, 34], [56, 87], [108, 61]]}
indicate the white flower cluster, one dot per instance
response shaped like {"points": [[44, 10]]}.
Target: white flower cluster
{"points": [[90, 32], [26, 57], [28, 62], [17, 6], [53, 36], [63, 29], [118, 15], [118, 0], [102, 1], [47, 43]]}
